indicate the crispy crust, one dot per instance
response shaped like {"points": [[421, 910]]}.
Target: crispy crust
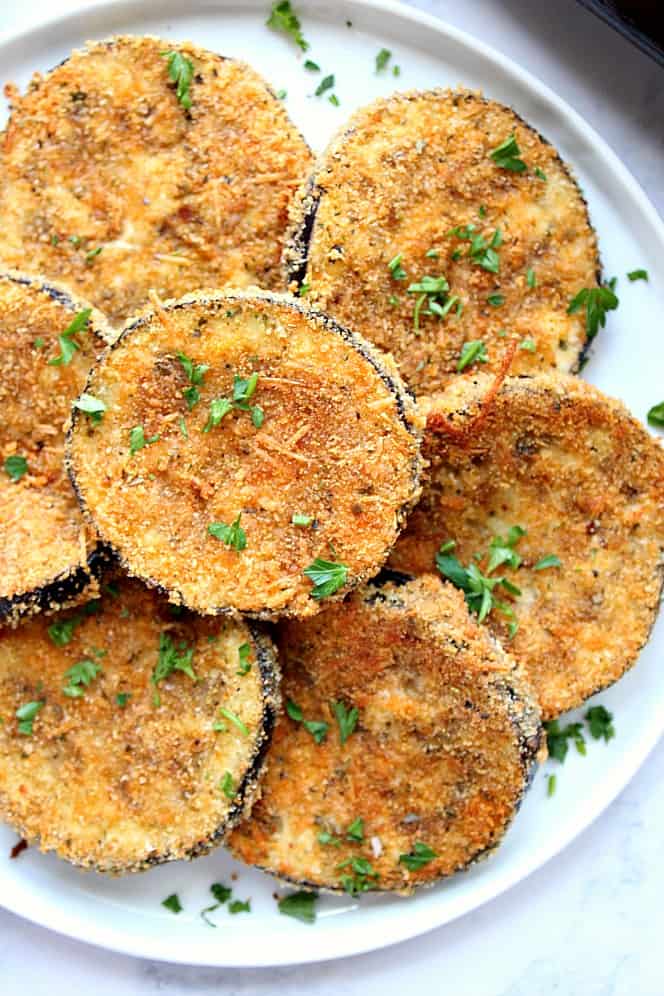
{"points": [[573, 467], [339, 442], [445, 746], [403, 173], [100, 150], [121, 789], [47, 558]]}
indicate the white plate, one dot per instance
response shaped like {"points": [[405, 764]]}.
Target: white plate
{"points": [[126, 914]]}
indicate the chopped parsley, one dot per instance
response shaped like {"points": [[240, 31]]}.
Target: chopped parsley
{"points": [[39, 342], [551, 785], [313, 67], [325, 838], [327, 83], [122, 698], [219, 408], [346, 719], [137, 439], [382, 59], [281, 94], [507, 155], [557, 738], [227, 785], [549, 561], [235, 720], [92, 254], [355, 830], [243, 390], [531, 278], [66, 340], [195, 373], [93, 407], [62, 631], [637, 275], [327, 576], [420, 855], [528, 345], [26, 715], [396, 70], [173, 903], [334, 100], [360, 880], [171, 658], [496, 300], [299, 905], [294, 711], [79, 677], [233, 535], [317, 728], [540, 173], [244, 653], [181, 72], [237, 906], [434, 291], [600, 722], [283, 18], [16, 466], [221, 892], [304, 521], [656, 415], [397, 271], [478, 588], [473, 351], [183, 427], [481, 251], [597, 302]]}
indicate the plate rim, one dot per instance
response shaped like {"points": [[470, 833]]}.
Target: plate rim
{"points": [[351, 942]]}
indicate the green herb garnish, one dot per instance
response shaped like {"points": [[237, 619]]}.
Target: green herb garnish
{"points": [[299, 905], [597, 302], [434, 291], [637, 275], [359, 881], [397, 271], [219, 408], [507, 155], [181, 72], [235, 720], [171, 658], [382, 59], [327, 83], [233, 535], [66, 341], [244, 653], [317, 728], [496, 300], [227, 785], [656, 415], [195, 373], [355, 830], [420, 856], [531, 278], [346, 719], [79, 677], [550, 785], [557, 738], [549, 561], [283, 18], [293, 710], [237, 906], [173, 903], [313, 67], [122, 698], [600, 721], [528, 345], [327, 576], [16, 466], [26, 714], [304, 521], [472, 352], [92, 254], [137, 439], [93, 407]]}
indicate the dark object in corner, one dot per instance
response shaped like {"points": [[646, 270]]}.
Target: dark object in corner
{"points": [[640, 21]]}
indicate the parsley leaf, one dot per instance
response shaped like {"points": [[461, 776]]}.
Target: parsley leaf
{"points": [[531, 278], [507, 155], [313, 67], [382, 59], [195, 373], [551, 785], [244, 652], [434, 291], [325, 84], [656, 415], [597, 302], [173, 903], [235, 720], [227, 785], [325, 838], [219, 408], [495, 300], [137, 439], [346, 719], [283, 18], [600, 721], [237, 906], [122, 698], [359, 881], [473, 351], [16, 466], [79, 677], [327, 576], [317, 728], [637, 275], [233, 535], [169, 660], [181, 72], [550, 561], [221, 892], [355, 830], [293, 710], [397, 271], [419, 856], [557, 737], [93, 407], [304, 521], [299, 905], [478, 588], [26, 714], [68, 344]]}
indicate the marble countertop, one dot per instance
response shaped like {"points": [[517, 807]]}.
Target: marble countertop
{"points": [[589, 921]]}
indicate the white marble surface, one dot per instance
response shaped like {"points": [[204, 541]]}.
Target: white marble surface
{"points": [[589, 922]]}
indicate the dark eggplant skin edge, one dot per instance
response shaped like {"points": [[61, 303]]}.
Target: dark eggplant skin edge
{"points": [[60, 590], [404, 399], [249, 789], [530, 752], [295, 258]]}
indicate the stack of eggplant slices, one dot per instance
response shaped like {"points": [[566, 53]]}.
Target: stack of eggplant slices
{"points": [[308, 528]]}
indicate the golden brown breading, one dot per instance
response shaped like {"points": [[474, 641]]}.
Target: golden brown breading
{"points": [[335, 438], [396, 181], [583, 477], [443, 749], [45, 553], [130, 773], [100, 155]]}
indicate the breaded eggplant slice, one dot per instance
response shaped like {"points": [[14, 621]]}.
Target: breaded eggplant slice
{"points": [[409, 190], [112, 183], [555, 457], [274, 439], [437, 743], [131, 735], [47, 557]]}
